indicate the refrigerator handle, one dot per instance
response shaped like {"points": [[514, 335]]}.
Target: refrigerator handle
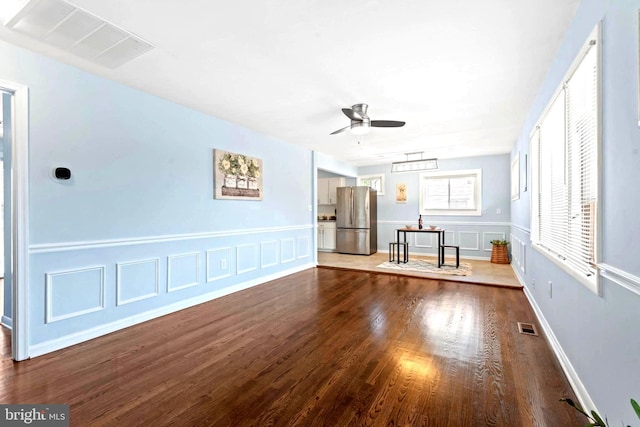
{"points": [[351, 206]]}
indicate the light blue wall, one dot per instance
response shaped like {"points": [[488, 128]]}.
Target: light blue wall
{"points": [[471, 233], [598, 334], [136, 232], [330, 164]]}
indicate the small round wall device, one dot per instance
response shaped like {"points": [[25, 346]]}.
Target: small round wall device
{"points": [[61, 173]]}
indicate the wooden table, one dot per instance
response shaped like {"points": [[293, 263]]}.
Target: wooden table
{"points": [[404, 231]]}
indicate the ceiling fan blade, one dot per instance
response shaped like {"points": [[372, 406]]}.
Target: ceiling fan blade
{"points": [[352, 114], [387, 123], [340, 130]]}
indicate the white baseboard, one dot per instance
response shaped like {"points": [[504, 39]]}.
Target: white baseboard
{"points": [[81, 336], [576, 384], [7, 322]]}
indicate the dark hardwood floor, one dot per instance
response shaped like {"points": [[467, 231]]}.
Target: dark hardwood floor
{"points": [[320, 347]]}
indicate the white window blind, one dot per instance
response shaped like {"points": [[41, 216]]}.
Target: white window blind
{"points": [[564, 154], [451, 193]]}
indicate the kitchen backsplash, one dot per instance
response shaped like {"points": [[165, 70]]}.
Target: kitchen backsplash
{"points": [[328, 210]]}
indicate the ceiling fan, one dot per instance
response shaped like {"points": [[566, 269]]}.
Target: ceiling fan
{"points": [[361, 123]]}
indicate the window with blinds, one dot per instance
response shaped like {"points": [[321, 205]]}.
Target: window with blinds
{"points": [[451, 193], [564, 166]]}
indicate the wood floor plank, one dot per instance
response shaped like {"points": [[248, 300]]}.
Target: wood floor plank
{"points": [[320, 347]]}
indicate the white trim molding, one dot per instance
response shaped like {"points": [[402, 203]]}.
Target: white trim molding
{"points": [[49, 278], [91, 333], [7, 322], [304, 241], [119, 265], [622, 278], [225, 264], [469, 248], [518, 227], [170, 258], [20, 219], [264, 263], [292, 242], [93, 244], [576, 384], [239, 258]]}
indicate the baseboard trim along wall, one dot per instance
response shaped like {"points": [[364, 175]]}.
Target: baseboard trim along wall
{"points": [[81, 336], [576, 384], [7, 322]]}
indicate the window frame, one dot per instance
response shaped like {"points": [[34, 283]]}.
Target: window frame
{"points": [[476, 211], [594, 41], [379, 176]]}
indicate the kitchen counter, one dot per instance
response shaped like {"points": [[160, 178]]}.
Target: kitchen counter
{"points": [[326, 220]]}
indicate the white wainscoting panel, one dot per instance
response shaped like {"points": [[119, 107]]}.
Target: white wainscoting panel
{"points": [[137, 280], [424, 240], [287, 250], [303, 247], [518, 252], [268, 253], [488, 236], [73, 293], [450, 237], [246, 258], [183, 271], [218, 263], [92, 332], [469, 240]]}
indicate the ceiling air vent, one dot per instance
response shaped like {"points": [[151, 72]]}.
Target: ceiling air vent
{"points": [[67, 27]]}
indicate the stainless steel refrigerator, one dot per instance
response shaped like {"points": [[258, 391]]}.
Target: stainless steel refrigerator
{"points": [[356, 220]]}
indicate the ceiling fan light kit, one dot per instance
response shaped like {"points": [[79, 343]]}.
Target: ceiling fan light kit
{"points": [[361, 123], [360, 128]]}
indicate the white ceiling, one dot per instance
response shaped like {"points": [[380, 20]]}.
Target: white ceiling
{"points": [[461, 73]]}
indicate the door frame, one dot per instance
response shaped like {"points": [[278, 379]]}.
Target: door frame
{"points": [[19, 218]]}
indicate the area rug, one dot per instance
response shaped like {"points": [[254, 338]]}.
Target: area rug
{"points": [[424, 266]]}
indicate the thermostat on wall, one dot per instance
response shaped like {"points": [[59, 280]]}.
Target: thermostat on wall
{"points": [[61, 174]]}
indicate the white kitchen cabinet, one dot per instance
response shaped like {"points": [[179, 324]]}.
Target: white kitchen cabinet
{"points": [[326, 236], [327, 190]]}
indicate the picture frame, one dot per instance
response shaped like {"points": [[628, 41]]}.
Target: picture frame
{"points": [[515, 177], [401, 193], [236, 176]]}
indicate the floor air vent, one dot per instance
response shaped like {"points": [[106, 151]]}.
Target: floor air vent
{"points": [[527, 328]]}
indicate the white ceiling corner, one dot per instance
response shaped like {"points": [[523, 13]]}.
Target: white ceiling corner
{"points": [[462, 74]]}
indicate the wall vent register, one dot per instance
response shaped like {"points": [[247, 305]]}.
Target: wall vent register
{"points": [[79, 32], [527, 328]]}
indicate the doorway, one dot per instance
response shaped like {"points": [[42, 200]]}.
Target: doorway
{"points": [[15, 152], [6, 300]]}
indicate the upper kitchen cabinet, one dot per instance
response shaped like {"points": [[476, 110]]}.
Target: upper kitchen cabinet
{"points": [[327, 190]]}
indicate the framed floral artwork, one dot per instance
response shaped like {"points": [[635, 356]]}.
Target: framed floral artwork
{"points": [[236, 176], [401, 193]]}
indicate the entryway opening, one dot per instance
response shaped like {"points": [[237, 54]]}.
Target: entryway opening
{"points": [[6, 300]]}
